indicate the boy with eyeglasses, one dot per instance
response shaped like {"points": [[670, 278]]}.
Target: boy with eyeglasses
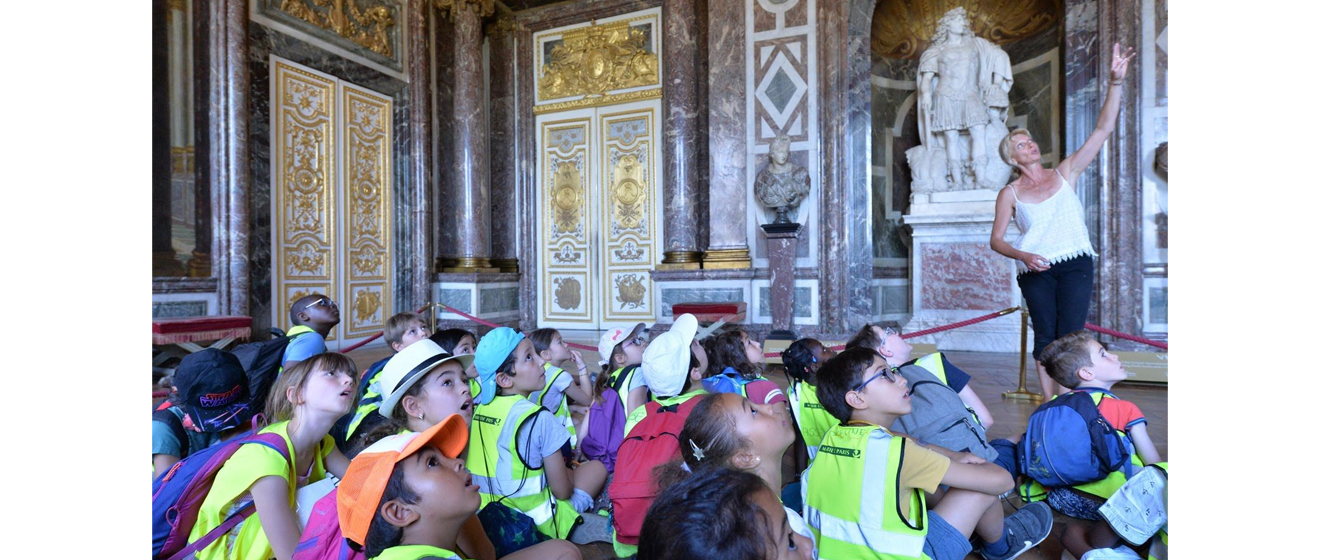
{"points": [[313, 316], [866, 493]]}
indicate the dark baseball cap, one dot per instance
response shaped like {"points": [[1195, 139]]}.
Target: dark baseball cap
{"points": [[213, 390]]}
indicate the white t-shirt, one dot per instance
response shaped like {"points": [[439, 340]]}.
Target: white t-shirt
{"points": [[799, 525]]}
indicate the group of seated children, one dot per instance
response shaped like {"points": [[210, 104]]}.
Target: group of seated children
{"points": [[452, 448]]}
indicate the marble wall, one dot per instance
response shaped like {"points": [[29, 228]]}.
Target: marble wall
{"points": [[263, 42]]}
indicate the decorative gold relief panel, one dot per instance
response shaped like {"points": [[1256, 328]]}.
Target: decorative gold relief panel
{"points": [[367, 119], [904, 28], [598, 59], [371, 27], [331, 214], [303, 161], [565, 213], [628, 214]]}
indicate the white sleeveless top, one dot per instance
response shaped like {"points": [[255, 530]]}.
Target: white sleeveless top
{"points": [[1055, 228]]}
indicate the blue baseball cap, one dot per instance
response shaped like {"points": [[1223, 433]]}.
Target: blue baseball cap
{"points": [[494, 348]]}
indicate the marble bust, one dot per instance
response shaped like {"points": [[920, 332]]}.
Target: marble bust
{"points": [[962, 105], [781, 186]]}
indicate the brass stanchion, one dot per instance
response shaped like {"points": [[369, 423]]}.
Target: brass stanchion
{"points": [[1022, 392], [431, 311]]}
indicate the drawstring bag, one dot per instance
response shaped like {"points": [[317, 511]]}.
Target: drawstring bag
{"points": [[1139, 508]]}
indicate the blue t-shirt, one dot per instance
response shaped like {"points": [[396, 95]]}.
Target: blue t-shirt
{"points": [[165, 442], [540, 436], [304, 346]]}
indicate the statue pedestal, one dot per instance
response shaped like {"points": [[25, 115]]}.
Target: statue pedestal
{"points": [[956, 276], [781, 240]]}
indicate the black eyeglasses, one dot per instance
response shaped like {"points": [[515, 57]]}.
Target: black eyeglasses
{"points": [[890, 375]]}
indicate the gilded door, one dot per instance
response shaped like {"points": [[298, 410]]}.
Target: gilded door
{"points": [[598, 212], [331, 205]]}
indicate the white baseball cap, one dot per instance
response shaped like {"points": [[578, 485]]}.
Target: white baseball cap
{"points": [[668, 359], [614, 337]]}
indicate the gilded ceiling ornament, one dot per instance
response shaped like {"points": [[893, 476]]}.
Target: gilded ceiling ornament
{"points": [[568, 293], [369, 28], [631, 291], [598, 59], [903, 29], [628, 191], [482, 8]]}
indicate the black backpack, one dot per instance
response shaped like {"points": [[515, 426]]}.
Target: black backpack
{"points": [[262, 362]]}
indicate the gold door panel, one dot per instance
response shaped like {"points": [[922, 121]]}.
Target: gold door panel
{"points": [[629, 199], [367, 225], [303, 172], [566, 223], [332, 179]]}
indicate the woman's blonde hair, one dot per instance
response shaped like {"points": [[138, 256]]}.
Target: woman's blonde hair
{"points": [[278, 406], [1006, 146]]}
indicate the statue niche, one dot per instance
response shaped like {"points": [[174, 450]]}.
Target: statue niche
{"points": [[962, 105]]}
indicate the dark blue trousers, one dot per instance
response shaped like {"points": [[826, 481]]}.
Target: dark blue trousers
{"points": [[1058, 299]]}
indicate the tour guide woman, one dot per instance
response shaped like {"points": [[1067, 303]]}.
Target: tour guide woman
{"points": [[1054, 253]]}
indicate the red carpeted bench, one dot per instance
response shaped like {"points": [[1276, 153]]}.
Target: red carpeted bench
{"points": [[713, 314], [186, 332]]}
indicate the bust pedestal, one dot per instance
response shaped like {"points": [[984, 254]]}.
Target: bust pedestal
{"points": [[956, 276], [781, 241]]}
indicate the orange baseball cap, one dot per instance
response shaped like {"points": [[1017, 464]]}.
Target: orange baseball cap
{"points": [[369, 472]]}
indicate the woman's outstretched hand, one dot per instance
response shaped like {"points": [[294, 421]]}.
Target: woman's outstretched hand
{"points": [[1118, 64]]}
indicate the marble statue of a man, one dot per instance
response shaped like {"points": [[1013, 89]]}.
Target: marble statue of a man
{"points": [[781, 185], [962, 87]]}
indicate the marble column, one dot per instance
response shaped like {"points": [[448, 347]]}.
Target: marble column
{"points": [[418, 250], [681, 151], [503, 149], [469, 162], [220, 32], [1118, 271], [163, 260], [727, 102], [845, 152]]}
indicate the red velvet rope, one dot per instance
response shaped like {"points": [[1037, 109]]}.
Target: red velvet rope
{"points": [[933, 330], [1114, 333]]}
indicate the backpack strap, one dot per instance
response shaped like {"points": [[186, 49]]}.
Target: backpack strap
{"points": [[271, 440], [174, 420]]}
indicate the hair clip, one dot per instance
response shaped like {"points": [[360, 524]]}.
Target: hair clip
{"points": [[696, 450]]}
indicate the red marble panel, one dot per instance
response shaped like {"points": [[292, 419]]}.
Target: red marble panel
{"points": [[797, 15], [965, 276], [761, 19]]}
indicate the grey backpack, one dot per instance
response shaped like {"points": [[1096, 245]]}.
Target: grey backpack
{"points": [[939, 416]]}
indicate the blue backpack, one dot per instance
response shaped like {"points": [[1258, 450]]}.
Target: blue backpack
{"points": [[177, 495], [1068, 443], [727, 381]]}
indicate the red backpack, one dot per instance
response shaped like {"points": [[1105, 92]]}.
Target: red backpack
{"points": [[651, 443]]}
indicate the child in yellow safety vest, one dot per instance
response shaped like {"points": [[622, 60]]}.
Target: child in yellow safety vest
{"points": [[1079, 362], [304, 402], [866, 493], [401, 331], [801, 361], [566, 378], [407, 496], [515, 444]]}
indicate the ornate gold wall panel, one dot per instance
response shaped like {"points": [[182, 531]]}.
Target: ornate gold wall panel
{"points": [[331, 205], [566, 221], [629, 201], [367, 186]]}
